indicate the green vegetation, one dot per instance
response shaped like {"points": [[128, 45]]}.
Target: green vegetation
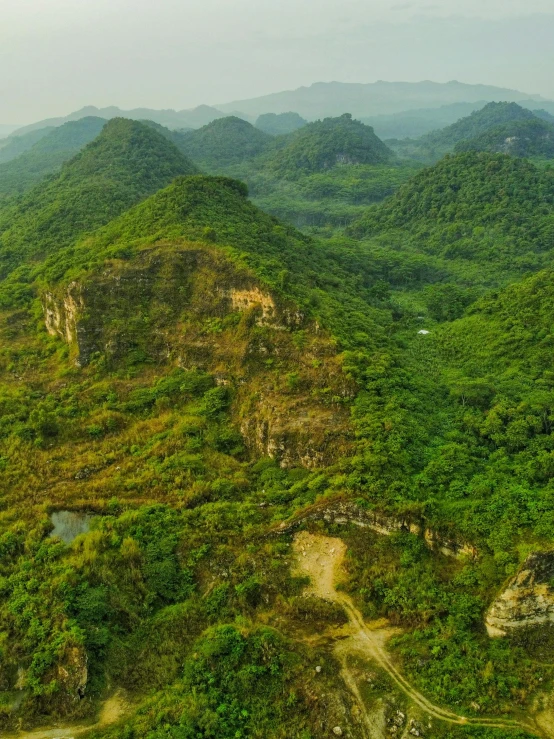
{"points": [[321, 176], [487, 217], [14, 145], [127, 162], [326, 144], [224, 142], [415, 123], [47, 155], [479, 122], [276, 124], [434, 145], [193, 372], [534, 138]]}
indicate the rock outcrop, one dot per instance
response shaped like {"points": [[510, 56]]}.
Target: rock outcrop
{"points": [[528, 599], [348, 512], [189, 306]]}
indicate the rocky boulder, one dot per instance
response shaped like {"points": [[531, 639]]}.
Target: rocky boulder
{"points": [[528, 599]]}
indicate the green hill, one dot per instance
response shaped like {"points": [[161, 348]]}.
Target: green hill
{"points": [[433, 145], [47, 155], [532, 138], [480, 209], [224, 142], [480, 121], [14, 145], [326, 144], [127, 162], [278, 124], [544, 115]]}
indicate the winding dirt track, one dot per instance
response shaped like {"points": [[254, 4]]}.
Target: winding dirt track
{"points": [[321, 558]]}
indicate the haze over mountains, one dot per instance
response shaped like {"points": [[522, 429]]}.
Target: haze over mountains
{"points": [[325, 99]]}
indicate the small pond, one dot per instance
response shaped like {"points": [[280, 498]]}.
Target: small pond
{"points": [[69, 524]]}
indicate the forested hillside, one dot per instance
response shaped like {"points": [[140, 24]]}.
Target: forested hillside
{"points": [[14, 145], [47, 155], [127, 162], [432, 146], [277, 124], [321, 175], [187, 382], [534, 138], [224, 142], [475, 210], [328, 143]]}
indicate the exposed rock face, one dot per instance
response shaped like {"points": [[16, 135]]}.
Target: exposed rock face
{"points": [[242, 300], [61, 315], [72, 673], [191, 307], [342, 512], [529, 598]]}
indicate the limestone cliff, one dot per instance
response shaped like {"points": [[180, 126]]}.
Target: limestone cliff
{"points": [[192, 307], [349, 512], [528, 599]]}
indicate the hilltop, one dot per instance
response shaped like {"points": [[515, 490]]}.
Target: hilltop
{"points": [[322, 145], [124, 164], [520, 138], [420, 121], [224, 142], [434, 145], [278, 124], [47, 155], [479, 122]]}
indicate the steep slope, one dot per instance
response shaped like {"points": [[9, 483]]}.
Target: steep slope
{"points": [[47, 155], [280, 124], [14, 145], [125, 163], [224, 142], [481, 209], [325, 144], [532, 138]]}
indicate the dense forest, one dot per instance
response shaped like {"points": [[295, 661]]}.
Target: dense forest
{"points": [[216, 341], [485, 129]]}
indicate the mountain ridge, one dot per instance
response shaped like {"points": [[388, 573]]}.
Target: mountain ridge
{"points": [[323, 99]]}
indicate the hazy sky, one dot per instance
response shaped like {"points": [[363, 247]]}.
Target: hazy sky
{"points": [[58, 55]]}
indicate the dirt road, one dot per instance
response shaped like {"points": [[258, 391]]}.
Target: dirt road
{"points": [[321, 559], [112, 710]]}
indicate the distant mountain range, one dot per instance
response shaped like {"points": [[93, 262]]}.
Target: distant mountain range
{"points": [[378, 98], [194, 118], [331, 99]]}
